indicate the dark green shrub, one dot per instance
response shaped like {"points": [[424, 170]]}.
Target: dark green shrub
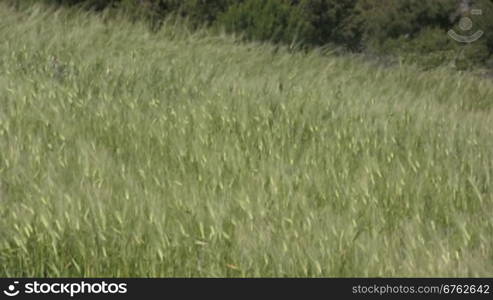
{"points": [[204, 12], [430, 48], [484, 22], [273, 20], [333, 22], [417, 31], [414, 30], [385, 20]]}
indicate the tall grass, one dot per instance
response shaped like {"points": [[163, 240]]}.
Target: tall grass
{"points": [[130, 153]]}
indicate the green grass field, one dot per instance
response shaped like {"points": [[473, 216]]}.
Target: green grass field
{"points": [[130, 153]]}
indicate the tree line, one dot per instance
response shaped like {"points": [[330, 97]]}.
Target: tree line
{"points": [[414, 30]]}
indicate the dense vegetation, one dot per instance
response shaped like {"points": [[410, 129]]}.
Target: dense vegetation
{"points": [[126, 152], [413, 30]]}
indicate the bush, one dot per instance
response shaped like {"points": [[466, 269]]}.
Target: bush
{"points": [[273, 20], [204, 12], [485, 23], [333, 22], [415, 30], [384, 20]]}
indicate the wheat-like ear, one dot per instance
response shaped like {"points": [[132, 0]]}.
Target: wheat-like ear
{"points": [[58, 67], [54, 61]]}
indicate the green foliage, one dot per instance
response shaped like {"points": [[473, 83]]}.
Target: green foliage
{"points": [[333, 22], [126, 153], [273, 20], [484, 22], [415, 30], [390, 19], [204, 12]]}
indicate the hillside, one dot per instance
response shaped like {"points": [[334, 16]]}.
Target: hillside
{"points": [[130, 153]]}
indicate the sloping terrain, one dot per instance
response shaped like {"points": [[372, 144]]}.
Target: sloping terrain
{"points": [[130, 153]]}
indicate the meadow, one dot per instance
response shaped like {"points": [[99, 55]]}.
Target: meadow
{"points": [[126, 152]]}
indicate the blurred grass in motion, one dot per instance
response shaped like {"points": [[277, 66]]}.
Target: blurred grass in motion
{"points": [[130, 153]]}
